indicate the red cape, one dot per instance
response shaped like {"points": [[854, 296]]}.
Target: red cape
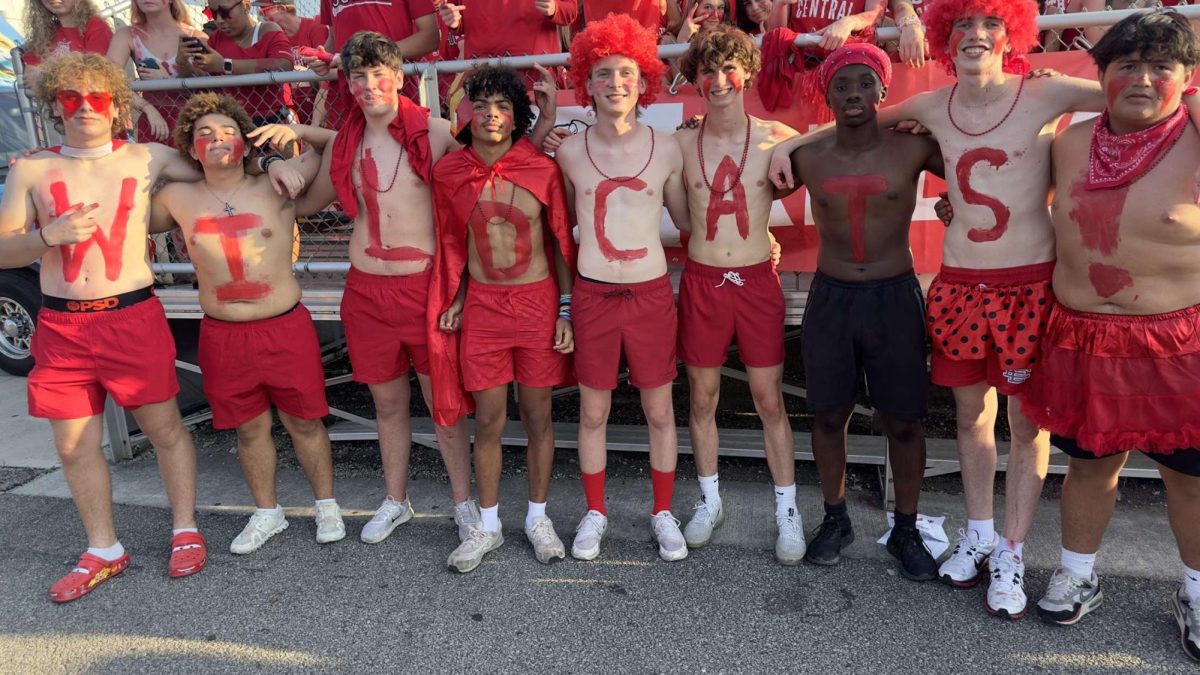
{"points": [[410, 128], [459, 178]]}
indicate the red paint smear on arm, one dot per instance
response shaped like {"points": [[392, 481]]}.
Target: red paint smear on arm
{"points": [[111, 245], [607, 249], [719, 205], [996, 158], [857, 189], [230, 229], [375, 247], [1097, 213], [1108, 280]]}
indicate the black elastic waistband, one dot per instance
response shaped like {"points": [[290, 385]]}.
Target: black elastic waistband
{"points": [[99, 304], [903, 277], [597, 281]]}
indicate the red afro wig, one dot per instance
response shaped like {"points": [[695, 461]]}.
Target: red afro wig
{"points": [[616, 35], [1020, 22]]}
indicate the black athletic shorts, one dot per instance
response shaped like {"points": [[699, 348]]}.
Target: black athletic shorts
{"points": [[1186, 462], [877, 327]]}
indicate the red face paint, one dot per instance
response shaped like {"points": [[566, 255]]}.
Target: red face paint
{"points": [[1108, 280], [230, 230], [237, 150], [387, 87], [857, 189], [1167, 89], [735, 80], [1097, 213], [999, 42], [375, 247], [71, 101], [706, 85], [731, 201], [956, 37], [610, 252], [200, 145], [111, 244], [522, 247], [1114, 86], [970, 158]]}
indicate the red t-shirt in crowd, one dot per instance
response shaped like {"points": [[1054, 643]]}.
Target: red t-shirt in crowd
{"points": [[312, 33], [261, 100], [512, 27], [649, 13], [809, 16], [393, 18], [94, 38]]}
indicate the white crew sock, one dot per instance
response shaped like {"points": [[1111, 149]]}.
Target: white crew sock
{"points": [[1017, 547], [274, 513], [1078, 564], [709, 487], [785, 501], [491, 518], [109, 553], [985, 530], [535, 511], [176, 533], [322, 502], [1191, 583]]}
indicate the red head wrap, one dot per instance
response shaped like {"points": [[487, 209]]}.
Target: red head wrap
{"points": [[616, 35], [854, 54], [1020, 22]]}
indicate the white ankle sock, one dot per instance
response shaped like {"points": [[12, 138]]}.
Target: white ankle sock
{"points": [[1078, 564], [1191, 583], [322, 502], [491, 518], [1017, 547], [108, 553], [535, 511], [785, 500], [275, 512], [710, 489], [985, 530], [177, 532]]}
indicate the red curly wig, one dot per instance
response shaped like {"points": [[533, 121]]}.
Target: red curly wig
{"points": [[616, 35], [1020, 21]]}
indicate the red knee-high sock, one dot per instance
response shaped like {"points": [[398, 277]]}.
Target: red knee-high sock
{"points": [[664, 489], [593, 490]]}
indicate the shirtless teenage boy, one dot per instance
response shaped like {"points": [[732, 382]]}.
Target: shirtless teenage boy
{"points": [[258, 345], [730, 289], [618, 174], [101, 330], [1120, 368], [502, 217], [865, 311]]}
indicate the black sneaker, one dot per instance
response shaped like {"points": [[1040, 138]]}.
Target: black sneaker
{"points": [[916, 563], [828, 540]]}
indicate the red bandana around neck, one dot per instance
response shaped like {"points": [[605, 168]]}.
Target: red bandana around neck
{"points": [[1118, 160]]}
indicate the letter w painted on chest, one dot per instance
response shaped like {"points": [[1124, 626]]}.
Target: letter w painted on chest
{"points": [[111, 245]]}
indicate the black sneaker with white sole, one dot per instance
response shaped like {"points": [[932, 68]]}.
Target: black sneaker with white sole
{"points": [[831, 536]]}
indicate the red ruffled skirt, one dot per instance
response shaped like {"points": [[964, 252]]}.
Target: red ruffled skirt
{"points": [[1117, 382]]}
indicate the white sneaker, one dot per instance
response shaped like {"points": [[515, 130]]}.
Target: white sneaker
{"points": [[789, 545], [330, 527], [588, 536], [961, 569], [700, 528], [671, 544], [547, 547], [470, 553], [256, 533], [466, 517], [389, 514], [1006, 593]]}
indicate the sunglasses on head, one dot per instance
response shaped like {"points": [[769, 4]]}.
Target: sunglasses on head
{"points": [[225, 13], [71, 101]]}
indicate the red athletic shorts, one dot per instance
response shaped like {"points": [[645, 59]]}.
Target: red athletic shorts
{"points": [[250, 365], [384, 318], [1118, 382], [719, 304], [639, 318], [985, 324], [508, 333], [128, 353]]}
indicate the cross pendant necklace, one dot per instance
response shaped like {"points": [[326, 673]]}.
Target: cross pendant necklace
{"points": [[225, 205]]}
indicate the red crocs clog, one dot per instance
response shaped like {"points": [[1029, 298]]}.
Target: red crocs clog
{"points": [[87, 575], [188, 554]]}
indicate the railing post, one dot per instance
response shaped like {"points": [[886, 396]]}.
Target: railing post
{"points": [[430, 97], [28, 113]]}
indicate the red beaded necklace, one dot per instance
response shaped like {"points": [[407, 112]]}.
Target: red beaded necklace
{"points": [[741, 165], [367, 182], [950, 101], [620, 179], [512, 197]]}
